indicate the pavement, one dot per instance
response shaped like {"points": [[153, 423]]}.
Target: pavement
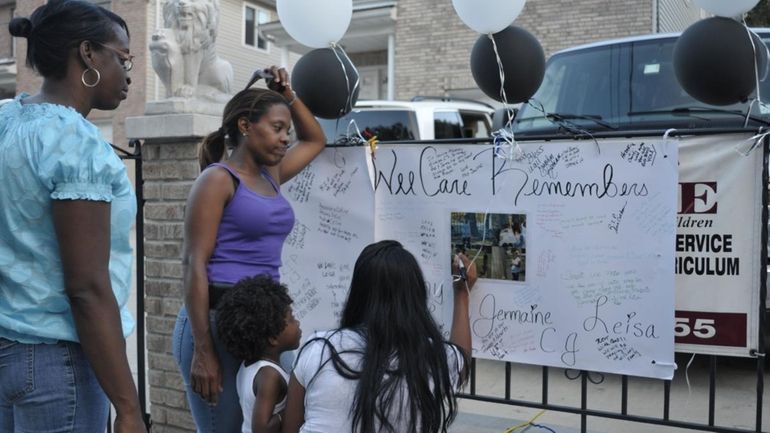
{"points": [[735, 402]]}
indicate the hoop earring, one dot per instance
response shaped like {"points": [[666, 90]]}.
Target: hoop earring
{"points": [[98, 78]]}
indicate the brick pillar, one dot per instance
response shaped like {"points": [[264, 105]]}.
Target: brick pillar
{"points": [[27, 80], [170, 167]]}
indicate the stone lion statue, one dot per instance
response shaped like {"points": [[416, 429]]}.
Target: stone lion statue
{"points": [[184, 53]]}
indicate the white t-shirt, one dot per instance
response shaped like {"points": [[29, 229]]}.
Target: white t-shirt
{"points": [[244, 382], [329, 398]]}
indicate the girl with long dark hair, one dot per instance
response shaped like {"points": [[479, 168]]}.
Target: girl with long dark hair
{"points": [[387, 368]]}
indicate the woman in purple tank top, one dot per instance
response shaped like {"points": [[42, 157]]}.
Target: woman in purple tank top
{"points": [[236, 221]]}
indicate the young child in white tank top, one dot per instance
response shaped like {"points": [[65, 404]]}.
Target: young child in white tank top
{"points": [[256, 323]]}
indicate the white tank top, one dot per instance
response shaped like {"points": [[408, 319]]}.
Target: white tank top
{"points": [[245, 386]]}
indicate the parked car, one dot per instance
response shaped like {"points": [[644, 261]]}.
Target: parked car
{"points": [[624, 85], [418, 119]]}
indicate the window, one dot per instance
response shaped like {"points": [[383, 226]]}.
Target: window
{"points": [[627, 86], [475, 125], [253, 16], [447, 124], [387, 125]]}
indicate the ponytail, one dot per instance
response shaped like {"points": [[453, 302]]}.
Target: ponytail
{"points": [[212, 149]]}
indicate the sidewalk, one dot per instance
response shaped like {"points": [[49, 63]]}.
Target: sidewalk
{"points": [[735, 402], [473, 423]]}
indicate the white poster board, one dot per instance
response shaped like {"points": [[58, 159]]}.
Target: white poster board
{"points": [[719, 245], [585, 229], [334, 208]]}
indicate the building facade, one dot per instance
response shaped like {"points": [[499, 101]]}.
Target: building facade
{"points": [[410, 48], [402, 48]]}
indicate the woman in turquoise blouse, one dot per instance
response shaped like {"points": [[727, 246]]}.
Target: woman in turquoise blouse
{"points": [[66, 207]]}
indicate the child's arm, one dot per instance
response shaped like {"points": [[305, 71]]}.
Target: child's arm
{"points": [[295, 407], [269, 389]]}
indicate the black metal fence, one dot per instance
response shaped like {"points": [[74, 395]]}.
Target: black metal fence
{"points": [[136, 156], [623, 412]]}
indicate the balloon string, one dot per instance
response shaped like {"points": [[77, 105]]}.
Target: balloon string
{"points": [[754, 48], [751, 142], [351, 91], [504, 136], [756, 140]]}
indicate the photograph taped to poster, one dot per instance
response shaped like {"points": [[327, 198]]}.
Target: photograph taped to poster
{"points": [[496, 243], [597, 291]]}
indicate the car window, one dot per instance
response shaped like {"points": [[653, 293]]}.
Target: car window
{"points": [[447, 124], [475, 125], [387, 125], [624, 86]]}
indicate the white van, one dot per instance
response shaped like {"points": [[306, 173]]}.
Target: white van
{"points": [[418, 119]]}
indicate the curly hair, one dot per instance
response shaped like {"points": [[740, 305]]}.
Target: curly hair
{"points": [[250, 314]]}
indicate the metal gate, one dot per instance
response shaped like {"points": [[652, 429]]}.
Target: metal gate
{"points": [[623, 412], [136, 156], [544, 400]]}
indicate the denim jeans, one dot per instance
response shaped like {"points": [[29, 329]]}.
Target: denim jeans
{"points": [[226, 416], [49, 388]]}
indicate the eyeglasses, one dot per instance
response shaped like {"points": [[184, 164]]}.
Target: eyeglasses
{"points": [[126, 62]]}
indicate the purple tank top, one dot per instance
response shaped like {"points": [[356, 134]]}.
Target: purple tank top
{"points": [[251, 234]]}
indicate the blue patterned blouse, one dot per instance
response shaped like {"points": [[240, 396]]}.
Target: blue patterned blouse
{"points": [[50, 152]]}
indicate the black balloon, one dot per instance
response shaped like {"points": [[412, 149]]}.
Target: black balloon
{"points": [[714, 61], [523, 63], [328, 89]]}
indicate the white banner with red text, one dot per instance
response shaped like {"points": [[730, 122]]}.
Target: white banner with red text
{"points": [[719, 245]]}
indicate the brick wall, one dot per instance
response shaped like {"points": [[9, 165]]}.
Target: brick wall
{"points": [[6, 41], [27, 80], [134, 12], [169, 170], [433, 46]]}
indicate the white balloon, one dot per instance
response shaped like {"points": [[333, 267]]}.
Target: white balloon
{"points": [[727, 8], [315, 23], [488, 16]]}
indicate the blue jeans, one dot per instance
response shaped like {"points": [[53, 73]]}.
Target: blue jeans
{"points": [[49, 388], [226, 416]]}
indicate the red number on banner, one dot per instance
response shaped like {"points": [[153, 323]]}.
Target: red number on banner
{"points": [[711, 328]]}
